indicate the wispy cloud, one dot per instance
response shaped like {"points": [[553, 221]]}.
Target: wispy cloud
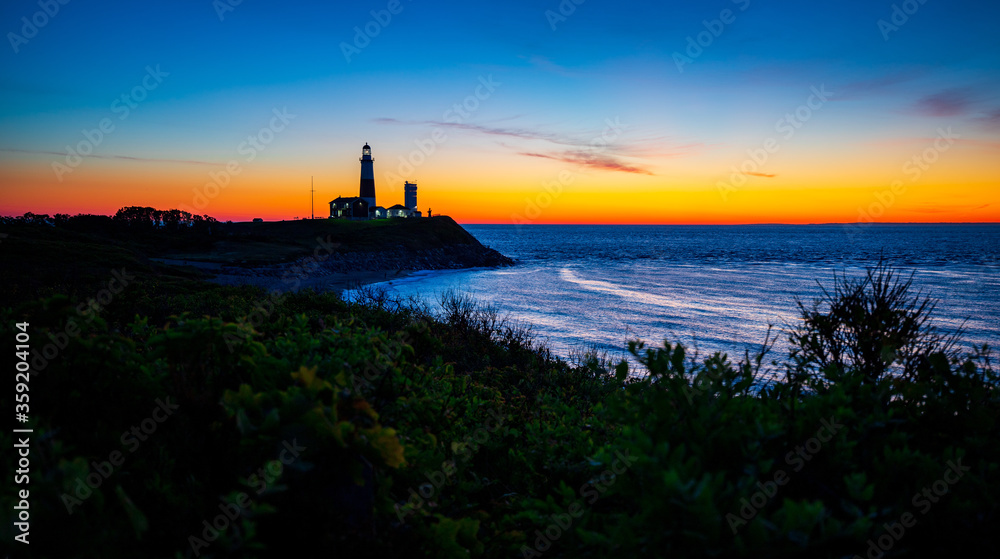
{"points": [[544, 64], [580, 152], [592, 160], [608, 156], [991, 119], [113, 156], [951, 102], [522, 133], [765, 175], [947, 208], [921, 142], [865, 88]]}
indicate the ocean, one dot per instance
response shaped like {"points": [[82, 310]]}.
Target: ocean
{"points": [[713, 288]]}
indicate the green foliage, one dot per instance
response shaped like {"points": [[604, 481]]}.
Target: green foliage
{"points": [[458, 436], [872, 327]]}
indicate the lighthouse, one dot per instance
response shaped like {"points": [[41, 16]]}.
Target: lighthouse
{"points": [[367, 176]]}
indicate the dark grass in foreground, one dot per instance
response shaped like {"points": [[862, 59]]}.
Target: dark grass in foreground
{"points": [[374, 429]]}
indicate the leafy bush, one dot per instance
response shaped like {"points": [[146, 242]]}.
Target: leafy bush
{"points": [[458, 436]]}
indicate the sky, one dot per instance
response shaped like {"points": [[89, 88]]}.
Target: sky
{"points": [[571, 111]]}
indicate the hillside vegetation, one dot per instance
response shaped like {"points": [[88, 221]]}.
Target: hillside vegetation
{"points": [[74, 255], [182, 419]]}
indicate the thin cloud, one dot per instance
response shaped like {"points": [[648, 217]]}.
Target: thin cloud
{"points": [[947, 208], [920, 142], [544, 64], [113, 156], [511, 132], [864, 88], [660, 148], [991, 119], [765, 175], [594, 161], [580, 152], [521, 133], [952, 102]]}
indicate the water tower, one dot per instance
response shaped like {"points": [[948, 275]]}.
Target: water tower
{"points": [[367, 176]]}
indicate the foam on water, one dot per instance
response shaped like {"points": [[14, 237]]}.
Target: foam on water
{"points": [[716, 288]]}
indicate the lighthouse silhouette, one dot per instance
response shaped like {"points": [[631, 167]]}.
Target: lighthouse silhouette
{"points": [[367, 176]]}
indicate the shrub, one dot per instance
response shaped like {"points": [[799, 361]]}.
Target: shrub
{"points": [[873, 326]]}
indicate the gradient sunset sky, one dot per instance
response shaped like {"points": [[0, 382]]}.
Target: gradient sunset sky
{"points": [[724, 111]]}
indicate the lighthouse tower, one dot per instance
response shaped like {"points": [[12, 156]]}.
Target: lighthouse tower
{"points": [[367, 176]]}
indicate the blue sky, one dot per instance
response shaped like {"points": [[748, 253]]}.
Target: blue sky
{"points": [[562, 68]]}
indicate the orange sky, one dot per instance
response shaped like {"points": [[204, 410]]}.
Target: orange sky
{"points": [[959, 186]]}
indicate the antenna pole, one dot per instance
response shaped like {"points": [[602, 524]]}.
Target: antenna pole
{"points": [[312, 204]]}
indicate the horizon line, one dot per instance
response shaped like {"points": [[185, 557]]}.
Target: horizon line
{"points": [[856, 223]]}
